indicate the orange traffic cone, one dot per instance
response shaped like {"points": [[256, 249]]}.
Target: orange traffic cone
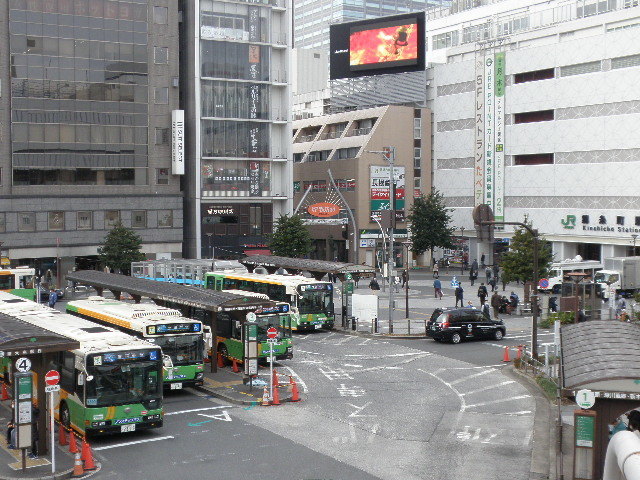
{"points": [[87, 456], [78, 470], [295, 395], [506, 355], [276, 395], [519, 354], [220, 360], [62, 436], [234, 366], [73, 446], [5, 394], [265, 398], [275, 378]]}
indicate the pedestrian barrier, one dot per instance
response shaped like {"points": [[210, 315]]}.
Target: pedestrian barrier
{"points": [[78, 469], [234, 366], [265, 398], [62, 436], [519, 355], [5, 393], [87, 456], [295, 395], [506, 358]]}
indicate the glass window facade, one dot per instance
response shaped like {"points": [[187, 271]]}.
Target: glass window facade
{"points": [[232, 177], [238, 139], [235, 100], [79, 90]]}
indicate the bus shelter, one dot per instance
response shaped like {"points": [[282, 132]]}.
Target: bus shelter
{"points": [[317, 268], [193, 302], [603, 357], [19, 339]]}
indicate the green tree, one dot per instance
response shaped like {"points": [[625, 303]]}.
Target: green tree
{"points": [[121, 247], [291, 238], [430, 223], [517, 263]]}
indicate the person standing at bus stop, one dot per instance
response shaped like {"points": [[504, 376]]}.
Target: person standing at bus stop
{"points": [[53, 298]]}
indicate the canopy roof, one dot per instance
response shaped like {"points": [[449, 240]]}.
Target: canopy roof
{"points": [[317, 268], [21, 338]]}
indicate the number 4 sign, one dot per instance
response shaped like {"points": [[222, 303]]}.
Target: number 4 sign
{"points": [[23, 364]]}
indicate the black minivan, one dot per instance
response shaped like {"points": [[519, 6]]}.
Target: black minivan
{"points": [[457, 324]]}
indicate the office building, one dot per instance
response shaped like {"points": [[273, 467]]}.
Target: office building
{"points": [[235, 84], [85, 116]]}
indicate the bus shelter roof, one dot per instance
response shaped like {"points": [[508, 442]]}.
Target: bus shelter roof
{"points": [[601, 355], [21, 338], [212, 300], [317, 268]]}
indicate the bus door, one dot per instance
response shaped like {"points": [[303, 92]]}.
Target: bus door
{"points": [[219, 281]]}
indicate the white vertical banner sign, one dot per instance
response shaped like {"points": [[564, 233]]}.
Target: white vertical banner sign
{"points": [[499, 165], [478, 164], [489, 130], [177, 142]]}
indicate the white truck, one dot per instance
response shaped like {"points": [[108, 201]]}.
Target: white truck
{"points": [[553, 284], [621, 276]]}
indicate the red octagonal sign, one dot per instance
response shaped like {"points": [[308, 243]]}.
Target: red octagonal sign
{"points": [[52, 377], [272, 332]]}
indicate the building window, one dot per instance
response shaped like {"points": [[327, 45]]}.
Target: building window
{"points": [[534, 75], [637, 221], [255, 220], [625, 62], [161, 55], [417, 153], [445, 40], [532, 117], [84, 221], [26, 222], [163, 136], [165, 218], [56, 220], [161, 95], [111, 218], [162, 176], [160, 15], [619, 220], [580, 68], [3, 222], [139, 219], [533, 159], [416, 162]]}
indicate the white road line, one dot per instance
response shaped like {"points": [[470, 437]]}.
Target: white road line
{"points": [[501, 400], [344, 340], [195, 410], [469, 368], [298, 379], [523, 412], [351, 365], [468, 377], [126, 444], [310, 353], [489, 387]]}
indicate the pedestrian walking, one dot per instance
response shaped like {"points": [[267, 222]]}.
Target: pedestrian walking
{"points": [[459, 295], [488, 273], [553, 304], [504, 283], [405, 277], [496, 300], [496, 270], [474, 265], [482, 293], [53, 298], [492, 282], [437, 288], [482, 260], [472, 276], [373, 284], [436, 270], [396, 283], [485, 310]]}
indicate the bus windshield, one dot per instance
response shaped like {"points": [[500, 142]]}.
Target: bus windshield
{"points": [[183, 349], [266, 321], [316, 301], [121, 384]]}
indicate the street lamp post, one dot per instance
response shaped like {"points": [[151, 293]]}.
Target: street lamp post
{"points": [[462, 247], [384, 243], [406, 285], [634, 236]]}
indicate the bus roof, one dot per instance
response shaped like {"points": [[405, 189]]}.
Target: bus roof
{"points": [[248, 294], [136, 316], [92, 337], [19, 270], [274, 279]]}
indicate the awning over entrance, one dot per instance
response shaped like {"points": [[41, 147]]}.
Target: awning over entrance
{"points": [[317, 268]]}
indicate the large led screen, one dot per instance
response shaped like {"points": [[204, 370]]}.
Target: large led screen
{"points": [[377, 46]]}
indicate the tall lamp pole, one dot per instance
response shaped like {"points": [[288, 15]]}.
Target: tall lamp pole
{"points": [[406, 285], [634, 236], [462, 248]]}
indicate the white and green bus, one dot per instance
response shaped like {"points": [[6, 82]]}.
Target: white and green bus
{"points": [[311, 300], [180, 338], [111, 384]]}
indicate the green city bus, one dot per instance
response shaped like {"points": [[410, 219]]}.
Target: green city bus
{"points": [[19, 281], [180, 338], [111, 384], [311, 300]]}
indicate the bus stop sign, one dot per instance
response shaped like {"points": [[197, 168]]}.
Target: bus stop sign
{"points": [[272, 332]]}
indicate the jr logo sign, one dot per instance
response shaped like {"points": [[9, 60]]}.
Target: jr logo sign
{"points": [[570, 222]]}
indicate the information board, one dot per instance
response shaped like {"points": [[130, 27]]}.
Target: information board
{"points": [[585, 431]]}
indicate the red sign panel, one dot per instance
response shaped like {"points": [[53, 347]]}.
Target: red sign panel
{"points": [[52, 377], [323, 209], [272, 332]]}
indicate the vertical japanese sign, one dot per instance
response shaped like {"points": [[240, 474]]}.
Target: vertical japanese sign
{"points": [[177, 142], [478, 164], [489, 124], [380, 191], [498, 164], [254, 179]]}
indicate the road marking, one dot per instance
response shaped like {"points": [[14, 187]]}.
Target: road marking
{"points": [[196, 410], [523, 412], [501, 400], [297, 379], [345, 340], [126, 444], [489, 387], [310, 353], [352, 365], [479, 374]]}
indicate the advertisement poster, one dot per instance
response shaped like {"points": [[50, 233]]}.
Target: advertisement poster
{"points": [[381, 45]]}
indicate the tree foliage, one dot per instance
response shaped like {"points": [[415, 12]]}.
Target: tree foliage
{"points": [[430, 223], [291, 238], [517, 263], [121, 247]]}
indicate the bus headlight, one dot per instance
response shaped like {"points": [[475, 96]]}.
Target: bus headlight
{"points": [[99, 424]]}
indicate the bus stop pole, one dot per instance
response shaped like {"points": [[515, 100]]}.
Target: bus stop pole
{"points": [[51, 432]]}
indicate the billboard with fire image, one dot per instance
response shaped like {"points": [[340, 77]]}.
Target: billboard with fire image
{"points": [[397, 44]]}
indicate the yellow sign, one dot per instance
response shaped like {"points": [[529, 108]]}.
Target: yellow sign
{"points": [[5, 261]]}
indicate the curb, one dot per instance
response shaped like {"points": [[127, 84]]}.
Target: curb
{"points": [[237, 401], [543, 453], [402, 336], [56, 476]]}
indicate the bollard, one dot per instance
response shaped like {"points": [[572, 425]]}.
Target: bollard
{"points": [[408, 326], [354, 324], [375, 323]]}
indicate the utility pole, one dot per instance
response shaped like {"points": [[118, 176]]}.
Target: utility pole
{"points": [[390, 155]]}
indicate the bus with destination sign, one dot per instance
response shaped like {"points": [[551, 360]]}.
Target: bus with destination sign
{"points": [[20, 281], [111, 384], [311, 300], [180, 338], [230, 344]]}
